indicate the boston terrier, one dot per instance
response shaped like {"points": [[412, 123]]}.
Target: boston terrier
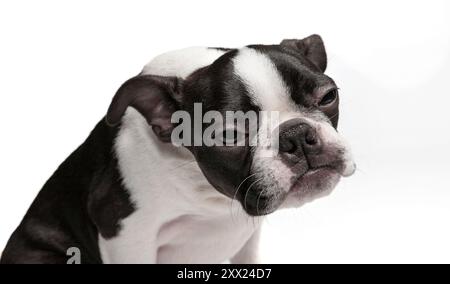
{"points": [[128, 194]]}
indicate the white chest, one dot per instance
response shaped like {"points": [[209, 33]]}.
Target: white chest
{"points": [[192, 239]]}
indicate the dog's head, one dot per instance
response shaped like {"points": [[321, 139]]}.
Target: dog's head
{"points": [[308, 156]]}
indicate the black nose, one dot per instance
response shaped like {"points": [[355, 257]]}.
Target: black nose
{"points": [[298, 139]]}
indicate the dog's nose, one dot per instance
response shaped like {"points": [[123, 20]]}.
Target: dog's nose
{"points": [[298, 139]]}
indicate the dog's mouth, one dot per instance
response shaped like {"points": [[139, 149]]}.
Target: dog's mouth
{"points": [[315, 183], [320, 174], [311, 180], [314, 179]]}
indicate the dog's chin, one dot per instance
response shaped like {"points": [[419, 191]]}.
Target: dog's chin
{"points": [[312, 185]]}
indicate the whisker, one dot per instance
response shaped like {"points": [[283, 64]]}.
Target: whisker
{"points": [[183, 165], [236, 192], [334, 115], [248, 190], [257, 202]]}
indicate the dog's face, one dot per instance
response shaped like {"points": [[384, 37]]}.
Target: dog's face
{"points": [[309, 156]]}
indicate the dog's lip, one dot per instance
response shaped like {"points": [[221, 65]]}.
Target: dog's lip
{"points": [[313, 173]]}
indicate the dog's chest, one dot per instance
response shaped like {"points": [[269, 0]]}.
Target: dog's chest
{"points": [[184, 239], [191, 239]]}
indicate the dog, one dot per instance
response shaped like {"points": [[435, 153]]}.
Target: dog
{"points": [[129, 195]]}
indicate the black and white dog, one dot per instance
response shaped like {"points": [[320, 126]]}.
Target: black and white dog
{"points": [[128, 195]]}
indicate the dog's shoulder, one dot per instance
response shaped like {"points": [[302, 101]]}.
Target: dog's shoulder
{"points": [[108, 200]]}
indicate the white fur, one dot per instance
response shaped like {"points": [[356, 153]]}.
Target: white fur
{"points": [[180, 217], [181, 63], [330, 136], [263, 81]]}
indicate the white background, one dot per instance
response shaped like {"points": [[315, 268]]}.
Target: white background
{"points": [[61, 62]]}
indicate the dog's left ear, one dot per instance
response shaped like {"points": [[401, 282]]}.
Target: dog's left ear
{"points": [[311, 47], [155, 97]]}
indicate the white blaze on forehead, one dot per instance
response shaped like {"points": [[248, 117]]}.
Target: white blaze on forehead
{"points": [[267, 90], [181, 63], [263, 81]]}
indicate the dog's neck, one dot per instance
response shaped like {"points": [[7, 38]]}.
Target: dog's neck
{"points": [[151, 170]]}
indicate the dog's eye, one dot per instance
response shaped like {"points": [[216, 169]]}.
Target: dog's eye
{"points": [[329, 98], [231, 137]]}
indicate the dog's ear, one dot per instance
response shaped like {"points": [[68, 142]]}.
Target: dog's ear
{"points": [[311, 47], [155, 97]]}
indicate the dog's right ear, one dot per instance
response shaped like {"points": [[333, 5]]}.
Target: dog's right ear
{"points": [[155, 97]]}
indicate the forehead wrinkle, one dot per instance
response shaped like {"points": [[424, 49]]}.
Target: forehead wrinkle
{"points": [[263, 81]]}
